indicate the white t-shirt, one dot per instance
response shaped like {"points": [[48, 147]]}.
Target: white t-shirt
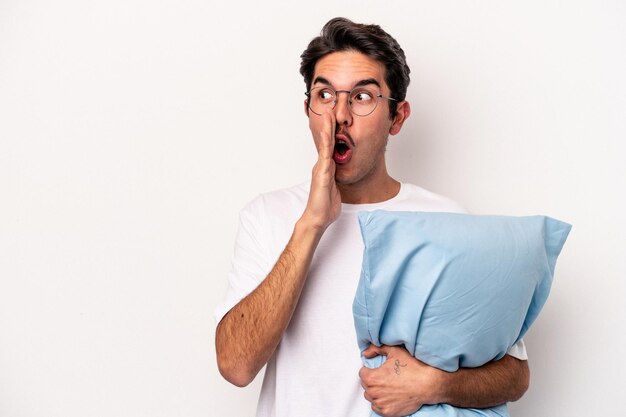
{"points": [[314, 370]]}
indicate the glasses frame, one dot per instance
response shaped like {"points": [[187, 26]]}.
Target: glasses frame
{"points": [[349, 92]]}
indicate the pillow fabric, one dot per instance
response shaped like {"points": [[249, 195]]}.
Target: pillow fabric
{"points": [[457, 290]]}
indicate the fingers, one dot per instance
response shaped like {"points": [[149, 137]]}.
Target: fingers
{"points": [[363, 373], [324, 204], [367, 396], [384, 350], [326, 142], [373, 351], [373, 401]]}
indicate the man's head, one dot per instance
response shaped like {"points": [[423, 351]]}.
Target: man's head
{"points": [[341, 34], [356, 78]]}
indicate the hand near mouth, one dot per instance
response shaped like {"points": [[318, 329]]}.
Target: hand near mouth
{"points": [[324, 204]]}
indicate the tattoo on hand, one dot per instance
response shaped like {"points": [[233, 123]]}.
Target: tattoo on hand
{"points": [[397, 365]]}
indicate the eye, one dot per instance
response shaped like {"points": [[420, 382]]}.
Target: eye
{"points": [[362, 96], [325, 95]]}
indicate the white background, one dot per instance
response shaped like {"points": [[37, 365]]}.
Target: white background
{"points": [[133, 131]]}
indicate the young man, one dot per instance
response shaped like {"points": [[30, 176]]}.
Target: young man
{"points": [[298, 255]]}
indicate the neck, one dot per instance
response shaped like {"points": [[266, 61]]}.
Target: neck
{"points": [[361, 193]]}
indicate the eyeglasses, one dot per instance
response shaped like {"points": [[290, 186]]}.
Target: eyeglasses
{"points": [[361, 100]]}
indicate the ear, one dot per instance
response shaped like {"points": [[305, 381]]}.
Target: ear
{"points": [[403, 112], [306, 108]]}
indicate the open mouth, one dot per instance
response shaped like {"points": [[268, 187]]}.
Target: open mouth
{"points": [[343, 152], [341, 147]]}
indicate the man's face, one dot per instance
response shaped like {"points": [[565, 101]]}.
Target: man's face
{"points": [[362, 158]]}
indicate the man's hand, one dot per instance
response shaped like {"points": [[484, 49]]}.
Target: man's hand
{"points": [[324, 204], [401, 385]]}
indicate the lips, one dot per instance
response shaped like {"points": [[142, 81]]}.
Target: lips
{"points": [[343, 149]]}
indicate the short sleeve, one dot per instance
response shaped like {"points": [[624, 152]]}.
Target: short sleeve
{"points": [[518, 350], [251, 262]]}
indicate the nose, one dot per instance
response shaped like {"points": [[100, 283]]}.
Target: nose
{"points": [[342, 108]]}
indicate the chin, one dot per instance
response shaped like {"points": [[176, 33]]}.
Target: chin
{"points": [[344, 180]]}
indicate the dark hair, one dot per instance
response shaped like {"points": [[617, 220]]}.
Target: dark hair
{"points": [[341, 34]]}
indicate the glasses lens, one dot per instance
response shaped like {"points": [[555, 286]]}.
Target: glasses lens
{"points": [[321, 98], [363, 101]]}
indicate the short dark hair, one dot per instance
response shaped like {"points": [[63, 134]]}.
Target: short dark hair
{"points": [[341, 34]]}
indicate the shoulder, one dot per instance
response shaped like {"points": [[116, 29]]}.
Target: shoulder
{"points": [[278, 202], [425, 200]]}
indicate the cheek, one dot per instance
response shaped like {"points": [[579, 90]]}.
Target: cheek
{"points": [[373, 134]]}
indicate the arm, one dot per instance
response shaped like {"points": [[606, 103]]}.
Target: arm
{"points": [[250, 332], [403, 384], [248, 335], [492, 384]]}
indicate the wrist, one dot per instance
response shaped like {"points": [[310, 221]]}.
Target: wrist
{"points": [[439, 386], [308, 228], [309, 224]]}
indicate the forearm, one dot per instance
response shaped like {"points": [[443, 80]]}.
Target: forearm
{"points": [[250, 332], [492, 384]]}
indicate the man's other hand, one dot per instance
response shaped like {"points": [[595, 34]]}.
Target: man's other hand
{"points": [[401, 385]]}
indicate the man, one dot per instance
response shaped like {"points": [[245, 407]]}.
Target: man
{"points": [[298, 255]]}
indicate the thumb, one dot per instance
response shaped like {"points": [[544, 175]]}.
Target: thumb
{"points": [[374, 350]]}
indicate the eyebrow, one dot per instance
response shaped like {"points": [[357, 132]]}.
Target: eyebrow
{"points": [[360, 83]]}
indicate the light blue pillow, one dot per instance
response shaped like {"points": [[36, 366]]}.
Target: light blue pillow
{"points": [[457, 290]]}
